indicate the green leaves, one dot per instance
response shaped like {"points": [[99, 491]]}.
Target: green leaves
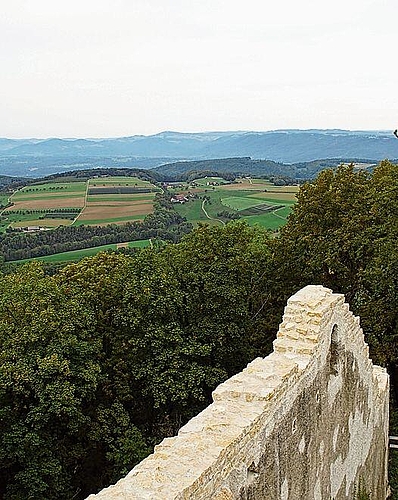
{"points": [[342, 233], [113, 353], [47, 375]]}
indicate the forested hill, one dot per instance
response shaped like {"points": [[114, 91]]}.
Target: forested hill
{"points": [[38, 157], [145, 175], [184, 170], [188, 170]]}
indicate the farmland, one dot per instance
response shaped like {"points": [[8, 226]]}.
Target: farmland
{"points": [[117, 200], [88, 212], [97, 201], [213, 200]]}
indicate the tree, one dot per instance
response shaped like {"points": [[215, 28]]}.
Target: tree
{"points": [[47, 378], [222, 272], [342, 234]]}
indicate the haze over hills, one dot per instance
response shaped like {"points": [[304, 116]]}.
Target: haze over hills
{"points": [[38, 157]]}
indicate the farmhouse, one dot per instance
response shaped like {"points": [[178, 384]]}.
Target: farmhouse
{"points": [[178, 198]]}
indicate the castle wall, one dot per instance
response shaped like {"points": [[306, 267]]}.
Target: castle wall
{"points": [[310, 421]]}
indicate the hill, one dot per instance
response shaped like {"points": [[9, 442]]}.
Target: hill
{"points": [[185, 170]]}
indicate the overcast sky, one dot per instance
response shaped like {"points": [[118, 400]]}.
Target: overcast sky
{"points": [[106, 68]]}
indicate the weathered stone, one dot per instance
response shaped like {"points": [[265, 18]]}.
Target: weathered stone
{"points": [[310, 421]]}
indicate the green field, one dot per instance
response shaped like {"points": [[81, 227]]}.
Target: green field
{"points": [[50, 190], [240, 203], [20, 196], [119, 197], [34, 221], [272, 220], [192, 211], [238, 198], [85, 252], [206, 180]]}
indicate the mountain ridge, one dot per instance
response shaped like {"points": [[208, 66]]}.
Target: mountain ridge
{"points": [[37, 157]]}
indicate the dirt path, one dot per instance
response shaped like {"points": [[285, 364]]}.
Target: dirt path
{"points": [[208, 216], [84, 203]]}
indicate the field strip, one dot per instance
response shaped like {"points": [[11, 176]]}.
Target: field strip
{"points": [[42, 223], [84, 203], [47, 197], [119, 181], [274, 196], [113, 203], [85, 252], [45, 205], [120, 198], [107, 211]]}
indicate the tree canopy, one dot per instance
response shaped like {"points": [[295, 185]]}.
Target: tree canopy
{"points": [[342, 234], [109, 355]]}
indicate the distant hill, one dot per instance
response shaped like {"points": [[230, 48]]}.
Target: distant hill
{"points": [[249, 166], [36, 157], [229, 168], [292, 146]]}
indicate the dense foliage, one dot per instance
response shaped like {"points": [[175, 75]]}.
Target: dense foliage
{"points": [[109, 355], [88, 173], [343, 234]]}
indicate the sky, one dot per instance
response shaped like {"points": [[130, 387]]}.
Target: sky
{"points": [[111, 68]]}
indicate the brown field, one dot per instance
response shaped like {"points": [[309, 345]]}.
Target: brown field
{"points": [[42, 223], [32, 204], [119, 181], [108, 212]]}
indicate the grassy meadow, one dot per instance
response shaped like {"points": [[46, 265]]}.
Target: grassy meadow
{"points": [[256, 200]]}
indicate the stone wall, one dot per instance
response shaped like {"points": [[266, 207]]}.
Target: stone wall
{"points": [[310, 421]]}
